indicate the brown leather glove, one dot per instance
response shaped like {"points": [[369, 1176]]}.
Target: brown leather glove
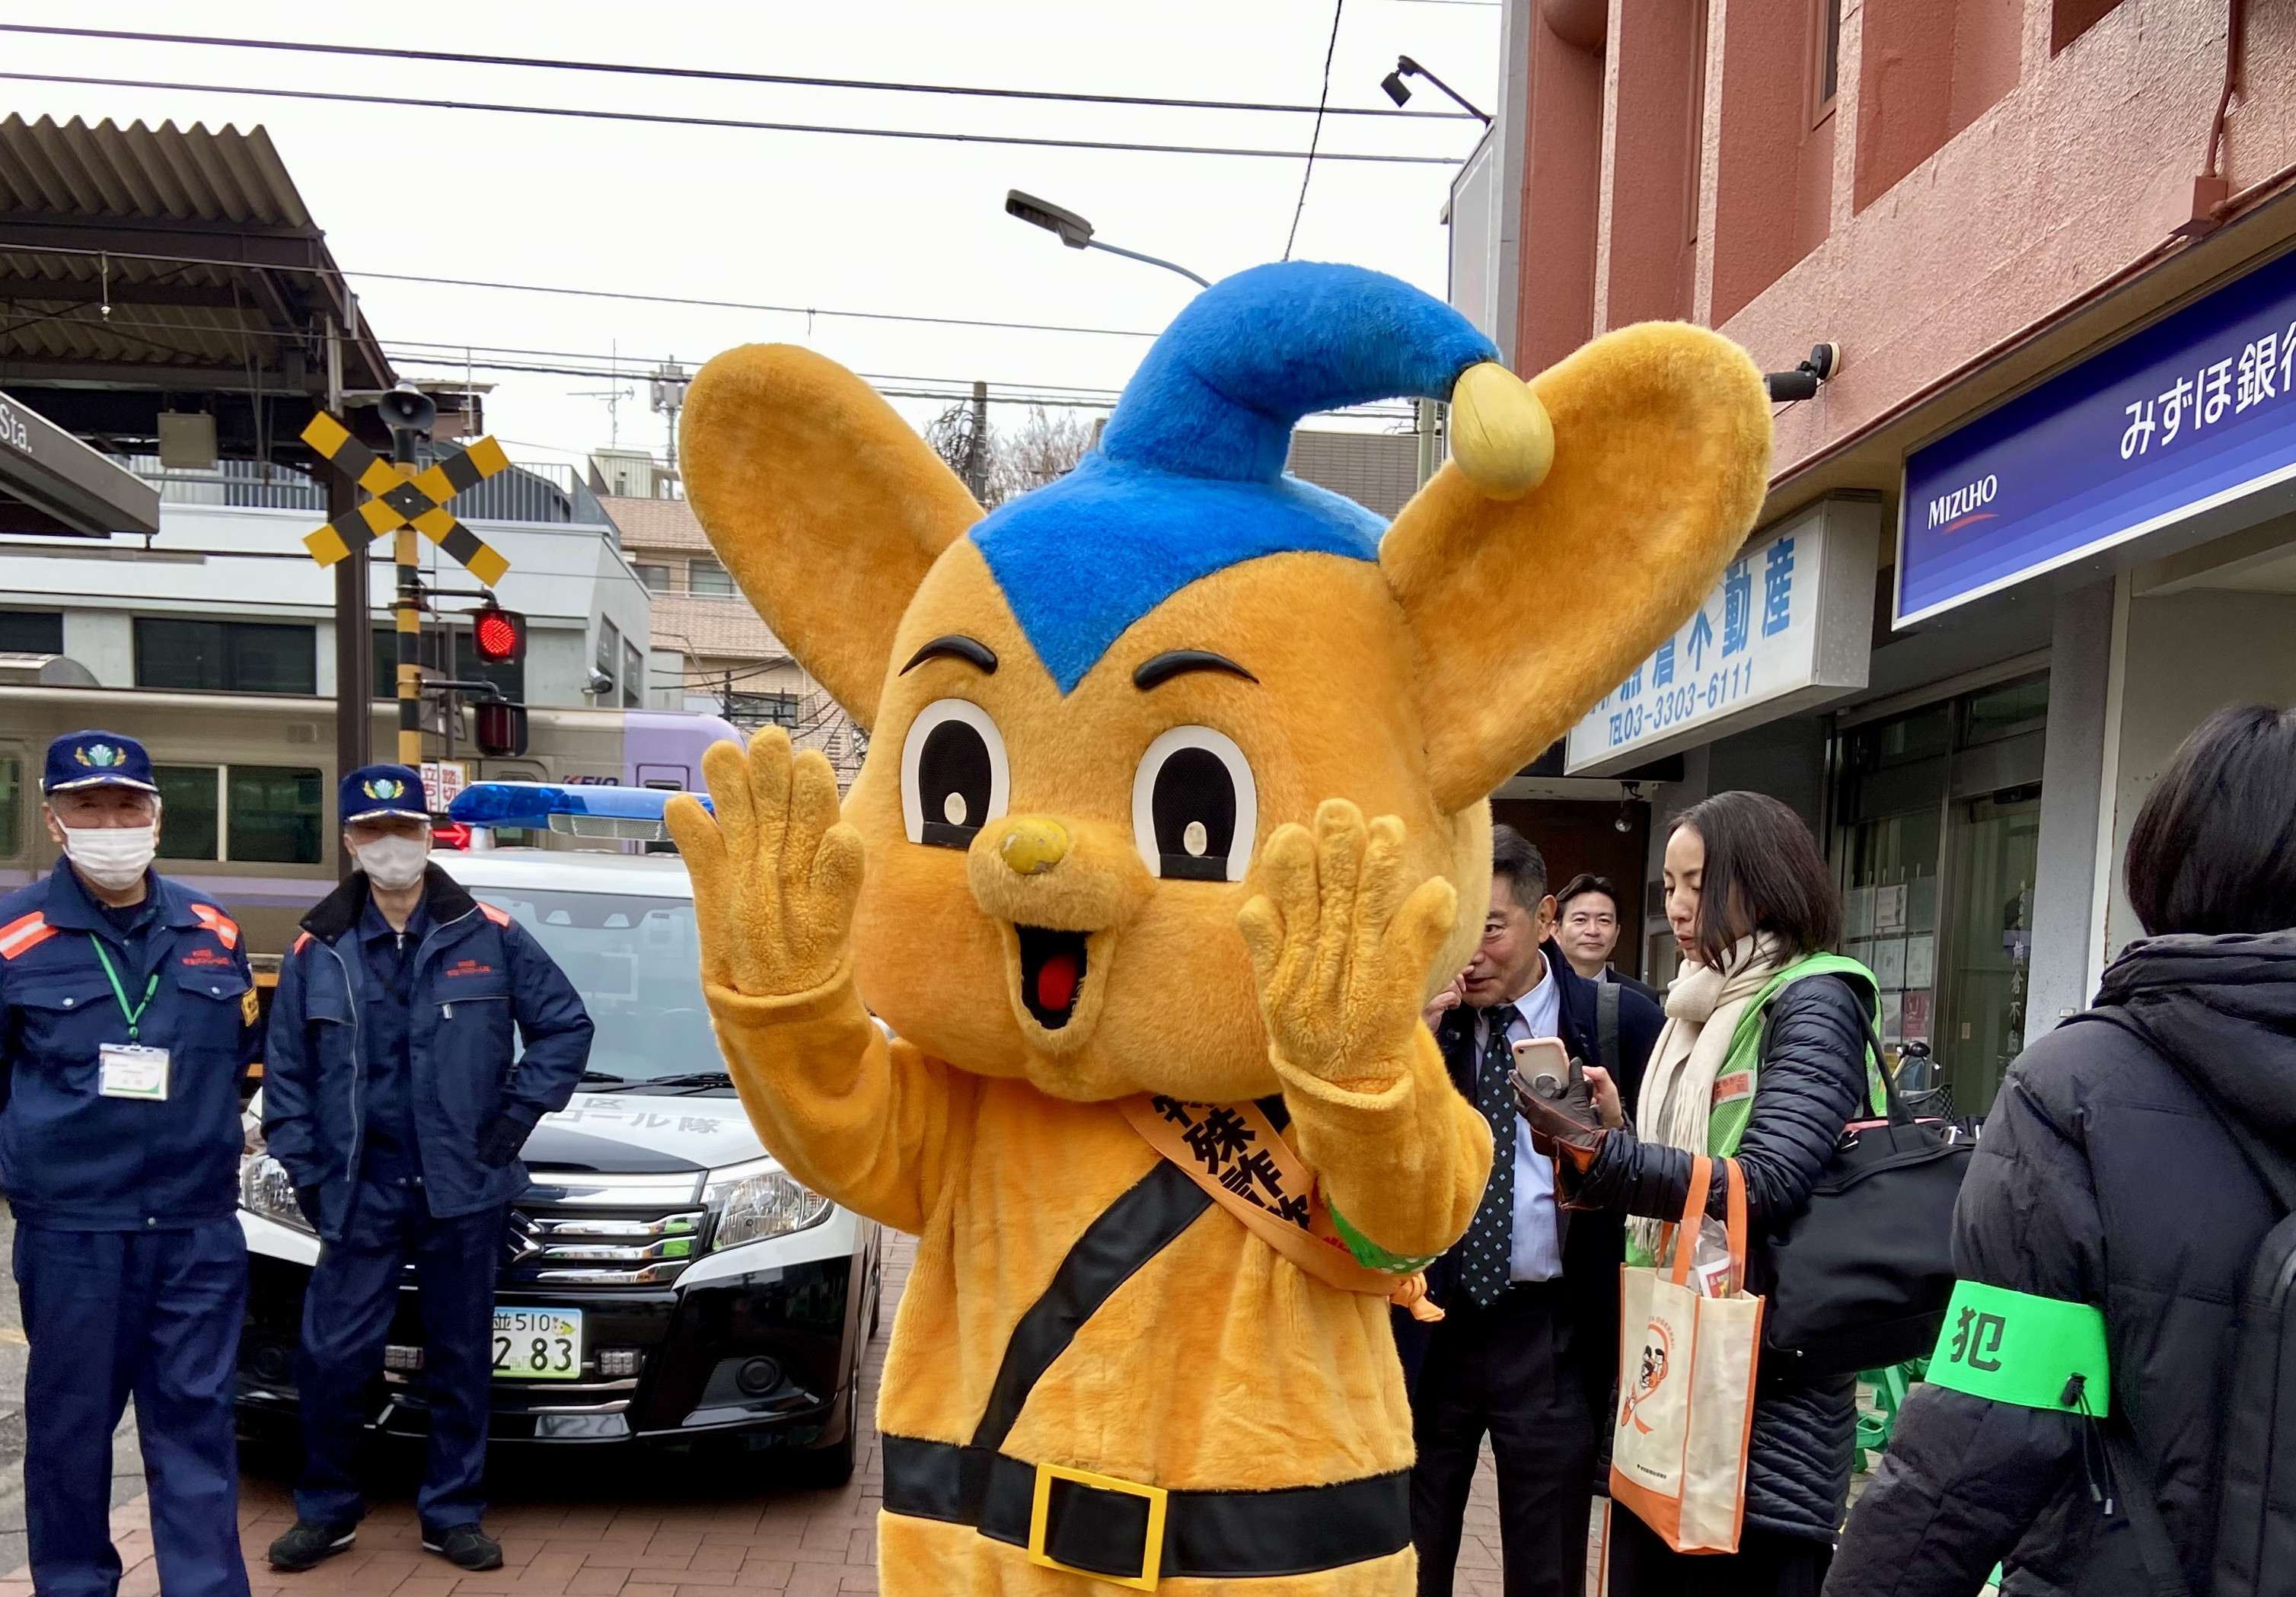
{"points": [[1567, 1128]]}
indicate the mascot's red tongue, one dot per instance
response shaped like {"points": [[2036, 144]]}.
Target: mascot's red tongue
{"points": [[1056, 981]]}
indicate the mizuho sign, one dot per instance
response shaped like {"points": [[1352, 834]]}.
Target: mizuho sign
{"points": [[1788, 626]]}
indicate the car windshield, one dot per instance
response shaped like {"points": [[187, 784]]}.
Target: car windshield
{"points": [[637, 963]]}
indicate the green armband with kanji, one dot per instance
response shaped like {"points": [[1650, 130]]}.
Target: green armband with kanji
{"points": [[2016, 1348]]}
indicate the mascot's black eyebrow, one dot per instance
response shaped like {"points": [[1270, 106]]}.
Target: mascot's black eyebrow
{"points": [[955, 645], [1161, 668]]}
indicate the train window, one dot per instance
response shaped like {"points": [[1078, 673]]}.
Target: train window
{"points": [[275, 814], [11, 805], [31, 631], [229, 656], [708, 576], [190, 804]]}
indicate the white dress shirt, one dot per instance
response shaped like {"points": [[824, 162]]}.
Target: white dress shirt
{"points": [[1535, 1252]]}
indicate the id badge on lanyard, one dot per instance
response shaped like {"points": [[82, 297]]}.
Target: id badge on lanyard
{"points": [[128, 1069]]}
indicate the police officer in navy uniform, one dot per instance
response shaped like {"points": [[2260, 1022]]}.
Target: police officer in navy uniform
{"points": [[127, 1019], [394, 1098]]}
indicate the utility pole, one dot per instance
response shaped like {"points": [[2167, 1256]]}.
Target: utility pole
{"points": [[1431, 438], [354, 614], [976, 447]]}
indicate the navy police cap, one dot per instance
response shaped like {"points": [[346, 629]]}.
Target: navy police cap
{"points": [[373, 790], [93, 759]]}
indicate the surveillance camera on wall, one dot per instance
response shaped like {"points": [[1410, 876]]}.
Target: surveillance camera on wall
{"points": [[599, 682]]}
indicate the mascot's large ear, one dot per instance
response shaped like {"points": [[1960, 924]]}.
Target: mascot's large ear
{"points": [[1524, 611], [826, 507]]}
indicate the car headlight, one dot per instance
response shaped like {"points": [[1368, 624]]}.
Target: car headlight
{"points": [[753, 1201], [265, 1189]]}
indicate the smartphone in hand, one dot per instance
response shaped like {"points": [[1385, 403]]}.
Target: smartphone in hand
{"points": [[1544, 1064]]}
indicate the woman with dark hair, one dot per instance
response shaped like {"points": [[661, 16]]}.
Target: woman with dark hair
{"points": [[2124, 1183], [1764, 1060]]}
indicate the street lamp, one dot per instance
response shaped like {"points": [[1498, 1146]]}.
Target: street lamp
{"points": [[1076, 232], [1399, 91]]}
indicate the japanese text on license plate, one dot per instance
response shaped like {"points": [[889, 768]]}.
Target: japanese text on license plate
{"points": [[538, 1344]]}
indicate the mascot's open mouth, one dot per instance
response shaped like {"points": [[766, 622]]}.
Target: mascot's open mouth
{"points": [[1051, 974]]}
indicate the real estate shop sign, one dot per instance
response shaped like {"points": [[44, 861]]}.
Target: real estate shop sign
{"points": [[1788, 626], [2196, 412]]}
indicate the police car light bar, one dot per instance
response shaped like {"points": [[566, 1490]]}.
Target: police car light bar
{"points": [[629, 814]]}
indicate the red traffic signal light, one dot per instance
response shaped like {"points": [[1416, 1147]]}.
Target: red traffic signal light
{"points": [[501, 728], [500, 636]]}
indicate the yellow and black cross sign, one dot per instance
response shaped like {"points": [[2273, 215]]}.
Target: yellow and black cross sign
{"points": [[418, 502]]}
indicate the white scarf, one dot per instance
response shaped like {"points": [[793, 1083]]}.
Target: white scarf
{"points": [[1702, 1007]]}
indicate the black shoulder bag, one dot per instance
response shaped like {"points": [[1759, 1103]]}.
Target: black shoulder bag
{"points": [[1860, 1278]]}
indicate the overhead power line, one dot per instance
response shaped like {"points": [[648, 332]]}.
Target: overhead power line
{"points": [[717, 74], [30, 292], [662, 118]]}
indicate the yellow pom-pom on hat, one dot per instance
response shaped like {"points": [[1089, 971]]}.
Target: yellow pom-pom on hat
{"points": [[1500, 434]]}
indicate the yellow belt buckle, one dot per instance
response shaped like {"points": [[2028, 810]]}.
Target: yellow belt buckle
{"points": [[1152, 1552]]}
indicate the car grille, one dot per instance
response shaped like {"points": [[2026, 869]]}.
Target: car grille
{"points": [[571, 1229]]}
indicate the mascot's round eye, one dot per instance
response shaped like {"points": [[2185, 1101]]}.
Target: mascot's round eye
{"points": [[954, 779], [1195, 809]]}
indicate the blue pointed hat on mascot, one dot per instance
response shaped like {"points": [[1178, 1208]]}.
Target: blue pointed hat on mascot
{"points": [[1189, 479]]}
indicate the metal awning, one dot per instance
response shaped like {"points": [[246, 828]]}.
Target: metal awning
{"points": [[143, 269], [52, 482]]}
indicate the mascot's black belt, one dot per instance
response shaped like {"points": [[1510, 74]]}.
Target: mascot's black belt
{"points": [[1119, 1530]]}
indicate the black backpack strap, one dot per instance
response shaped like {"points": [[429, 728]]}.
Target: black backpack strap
{"points": [[2164, 1574], [1606, 1024]]}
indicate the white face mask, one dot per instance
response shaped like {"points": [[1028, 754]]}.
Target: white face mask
{"points": [[113, 858], [393, 864]]}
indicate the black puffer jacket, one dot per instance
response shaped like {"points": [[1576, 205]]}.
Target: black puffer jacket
{"points": [[2102, 1177], [1810, 1085]]}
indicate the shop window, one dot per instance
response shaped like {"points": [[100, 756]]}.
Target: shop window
{"points": [[708, 576], [276, 813], [190, 801], [31, 632], [1936, 849], [227, 657], [655, 577]]}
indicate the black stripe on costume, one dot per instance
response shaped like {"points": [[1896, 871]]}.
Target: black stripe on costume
{"points": [[1129, 1232]]}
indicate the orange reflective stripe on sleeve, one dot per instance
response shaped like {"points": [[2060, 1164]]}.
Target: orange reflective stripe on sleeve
{"points": [[225, 929], [26, 931]]}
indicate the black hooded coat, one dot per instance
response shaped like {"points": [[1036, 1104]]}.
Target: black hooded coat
{"points": [[2104, 1177]]}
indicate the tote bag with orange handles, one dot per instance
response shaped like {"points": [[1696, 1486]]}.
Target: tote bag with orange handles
{"points": [[1686, 1384]]}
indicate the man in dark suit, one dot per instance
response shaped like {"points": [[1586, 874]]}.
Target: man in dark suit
{"points": [[1528, 1347]]}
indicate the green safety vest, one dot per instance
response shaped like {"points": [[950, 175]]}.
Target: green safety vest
{"points": [[1726, 1124]]}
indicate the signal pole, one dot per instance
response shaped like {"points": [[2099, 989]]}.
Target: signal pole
{"points": [[408, 414]]}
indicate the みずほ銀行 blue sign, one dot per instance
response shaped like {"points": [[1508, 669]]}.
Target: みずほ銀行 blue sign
{"points": [[2196, 411]]}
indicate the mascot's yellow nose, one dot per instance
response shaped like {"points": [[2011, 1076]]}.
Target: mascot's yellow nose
{"points": [[1033, 845]]}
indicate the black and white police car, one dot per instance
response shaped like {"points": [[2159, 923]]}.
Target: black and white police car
{"points": [[664, 1281]]}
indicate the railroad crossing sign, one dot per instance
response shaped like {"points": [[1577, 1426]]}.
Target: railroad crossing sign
{"points": [[418, 502]]}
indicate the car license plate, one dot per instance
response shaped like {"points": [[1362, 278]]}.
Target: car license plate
{"points": [[538, 1344]]}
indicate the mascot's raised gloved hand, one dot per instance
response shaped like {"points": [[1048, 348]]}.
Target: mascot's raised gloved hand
{"points": [[775, 877], [1341, 942]]}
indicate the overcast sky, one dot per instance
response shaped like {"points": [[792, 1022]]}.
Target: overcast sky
{"points": [[803, 219]]}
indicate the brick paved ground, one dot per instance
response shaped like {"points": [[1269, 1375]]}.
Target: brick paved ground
{"points": [[628, 1530]]}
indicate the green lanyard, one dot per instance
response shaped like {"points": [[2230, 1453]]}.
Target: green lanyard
{"points": [[135, 1014]]}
